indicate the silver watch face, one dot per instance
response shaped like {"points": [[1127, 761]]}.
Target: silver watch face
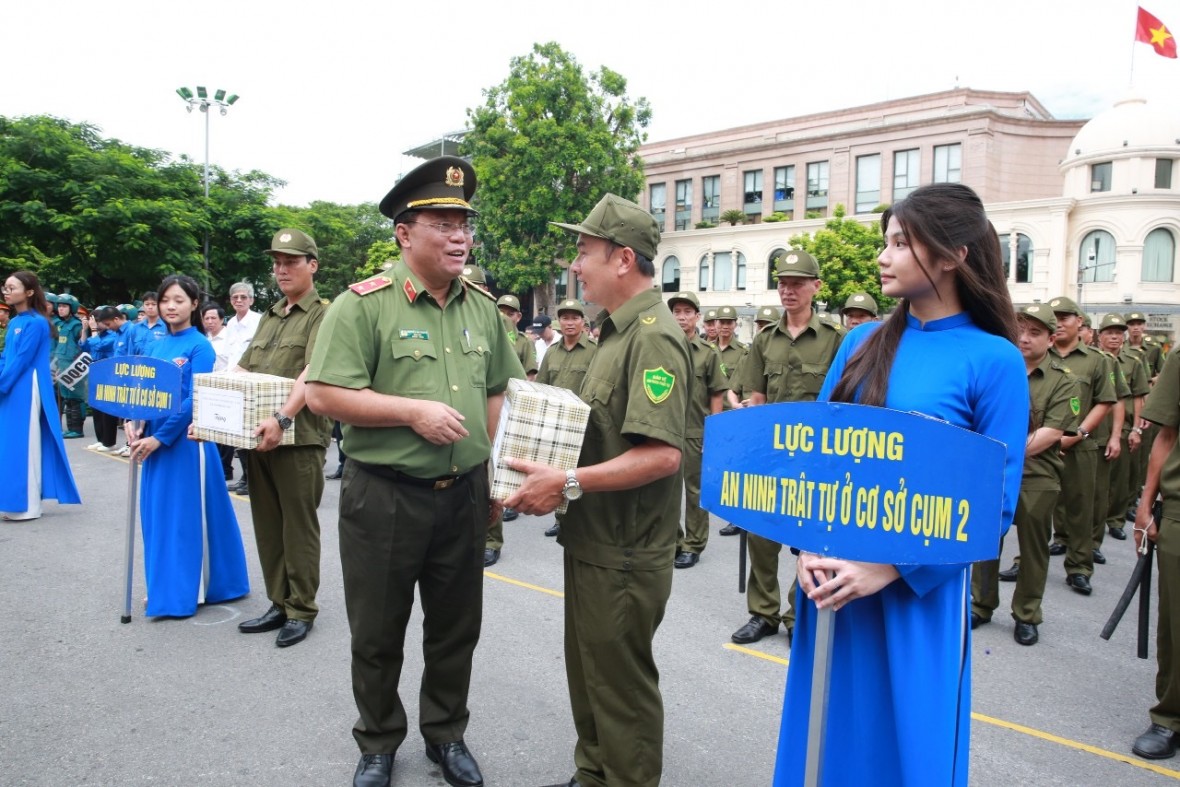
{"points": [[572, 489]]}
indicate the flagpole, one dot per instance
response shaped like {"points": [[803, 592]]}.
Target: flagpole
{"points": [[1134, 41]]}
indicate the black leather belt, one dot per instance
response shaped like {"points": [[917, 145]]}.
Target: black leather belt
{"points": [[397, 476]]}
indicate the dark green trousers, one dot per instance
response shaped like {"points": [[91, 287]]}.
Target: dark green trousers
{"points": [[1121, 472], [611, 618], [1074, 515], [495, 539], [286, 486], [763, 594], [394, 536], [1167, 644], [1033, 523], [1104, 471], [695, 534]]}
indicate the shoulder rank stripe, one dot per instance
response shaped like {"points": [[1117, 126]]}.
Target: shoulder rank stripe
{"points": [[371, 285], [473, 287]]}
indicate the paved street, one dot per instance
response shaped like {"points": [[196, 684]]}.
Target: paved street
{"points": [[87, 701]]}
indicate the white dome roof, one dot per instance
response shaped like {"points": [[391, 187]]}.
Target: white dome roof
{"points": [[1131, 123]]}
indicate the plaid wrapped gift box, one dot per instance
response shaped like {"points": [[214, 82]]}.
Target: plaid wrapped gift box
{"points": [[228, 406], [543, 423]]}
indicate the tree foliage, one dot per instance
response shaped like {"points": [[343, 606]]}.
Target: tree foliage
{"points": [[847, 253], [546, 145]]}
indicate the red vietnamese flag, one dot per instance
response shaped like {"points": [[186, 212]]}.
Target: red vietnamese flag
{"points": [[1152, 31]]}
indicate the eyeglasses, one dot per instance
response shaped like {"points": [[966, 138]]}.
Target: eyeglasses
{"points": [[239, 297], [11, 289], [447, 228]]}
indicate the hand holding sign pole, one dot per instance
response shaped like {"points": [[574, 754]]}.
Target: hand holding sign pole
{"points": [[133, 387], [858, 483]]}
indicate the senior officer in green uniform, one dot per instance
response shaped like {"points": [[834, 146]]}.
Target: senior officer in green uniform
{"points": [[566, 363], [708, 390], [620, 538], [1053, 402], [415, 363], [286, 482], [1163, 477], [787, 363], [1073, 518]]}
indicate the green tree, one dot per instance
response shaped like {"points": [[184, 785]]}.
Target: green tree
{"points": [[847, 253], [734, 216], [344, 234], [547, 144]]}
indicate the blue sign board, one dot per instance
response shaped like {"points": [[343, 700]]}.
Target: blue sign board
{"points": [[134, 387], [856, 482]]}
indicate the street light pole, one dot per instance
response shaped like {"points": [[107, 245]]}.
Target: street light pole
{"points": [[203, 102]]}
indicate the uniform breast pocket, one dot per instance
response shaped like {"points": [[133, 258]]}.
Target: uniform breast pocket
{"points": [[776, 382], [290, 356], [598, 394], [811, 377], [475, 358], [416, 369]]}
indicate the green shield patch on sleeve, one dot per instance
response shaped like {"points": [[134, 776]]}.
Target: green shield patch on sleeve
{"points": [[658, 384]]}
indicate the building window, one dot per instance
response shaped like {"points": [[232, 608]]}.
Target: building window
{"points": [[659, 203], [1100, 176], [1019, 247], [562, 286], [771, 262], [948, 163], [1097, 257], [906, 165], [784, 190], [711, 198], [740, 281], [1159, 256], [868, 183], [703, 273], [671, 275], [752, 201], [722, 271], [1163, 174], [683, 204], [817, 185]]}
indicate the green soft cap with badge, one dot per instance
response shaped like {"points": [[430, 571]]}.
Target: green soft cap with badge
{"points": [[620, 221], [862, 301], [570, 305], [798, 263], [293, 241], [1065, 305], [768, 314], [443, 183], [1042, 314], [511, 301], [1112, 320], [1135, 317], [727, 313], [685, 297], [474, 274]]}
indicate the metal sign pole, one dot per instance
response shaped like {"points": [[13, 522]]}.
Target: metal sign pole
{"points": [[129, 550], [821, 680]]}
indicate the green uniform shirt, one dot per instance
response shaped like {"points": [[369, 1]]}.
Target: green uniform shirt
{"points": [[564, 366], [1152, 355], [790, 370], [1121, 391], [708, 379], [397, 340], [637, 387], [1095, 382], [1163, 408], [282, 346], [730, 356], [1053, 394], [526, 351], [1134, 372]]}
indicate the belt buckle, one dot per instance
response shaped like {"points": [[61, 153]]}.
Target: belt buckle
{"points": [[445, 483]]}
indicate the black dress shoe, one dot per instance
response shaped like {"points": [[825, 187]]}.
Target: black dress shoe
{"points": [[1080, 583], [1158, 743], [729, 530], [510, 514], [1056, 549], [1099, 558], [458, 766], [270, 620], [570, 783], [554, 530], [240, 488], [1026, 633], [293, 632], [686, 560], [977, 620], [490, 557], [753, 631], [1009, 574], [374, 770], [1117, 533], [336, 476]]}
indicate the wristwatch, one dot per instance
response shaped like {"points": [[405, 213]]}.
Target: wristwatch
{"points": [[285, 423], [572, 489], [1085, 435]]}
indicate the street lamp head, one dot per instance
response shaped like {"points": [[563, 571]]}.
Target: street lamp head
{"points": [[219, 95], [232, 99], [184, 93], [202, 92]]}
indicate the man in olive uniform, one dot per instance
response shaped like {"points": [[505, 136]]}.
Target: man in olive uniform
{"points": [[1073, 520], [1137, 339], [859, 309], [727, 344], [1053, 397], [414, 363], [1133, 374], [708, 388], [620, 538], [1107, 434], [566, 363], [711, 327], [1163, 477], [286, 482], [786, 363]]}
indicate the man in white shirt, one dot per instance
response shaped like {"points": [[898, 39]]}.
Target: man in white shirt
{"points": [[213, 318], [239, 329], [546, 336]]}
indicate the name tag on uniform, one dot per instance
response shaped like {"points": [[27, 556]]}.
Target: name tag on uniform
{"points": [[425, 335]]}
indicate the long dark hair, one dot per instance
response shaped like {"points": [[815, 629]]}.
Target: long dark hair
{"points": [[192, 290], [942, 217], [37, 301]]}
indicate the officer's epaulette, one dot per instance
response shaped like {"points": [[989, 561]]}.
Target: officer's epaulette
{"points": [[325, 301], [472, 286], [1059, 366], [371, 284], [838, 328]]}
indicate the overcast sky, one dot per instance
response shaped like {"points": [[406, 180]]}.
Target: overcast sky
{"points": [[333, 92]]}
